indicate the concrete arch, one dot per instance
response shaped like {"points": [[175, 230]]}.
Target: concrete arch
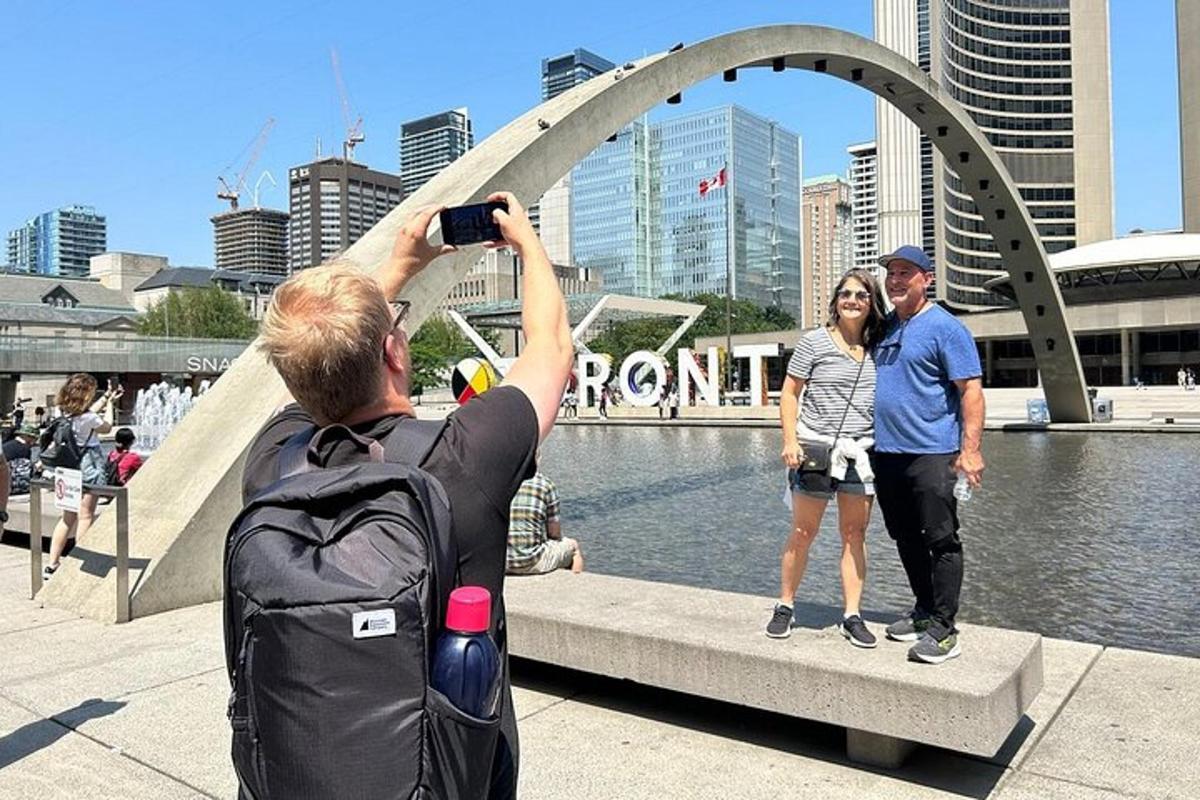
{"points": [[198, 468]]}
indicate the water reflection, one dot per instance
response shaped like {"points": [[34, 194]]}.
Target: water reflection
{"points": [[1080, 536]]}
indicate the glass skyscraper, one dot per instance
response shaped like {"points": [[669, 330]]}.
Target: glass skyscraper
{"points": [[428, 145], [640, 218], [571, 69], [551, 216], [59, 242]]}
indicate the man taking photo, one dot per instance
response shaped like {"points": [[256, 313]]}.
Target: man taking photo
{"points": [[343, 352]]}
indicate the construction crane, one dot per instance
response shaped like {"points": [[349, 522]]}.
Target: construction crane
{"points": [[231, 192], [354, 134]]}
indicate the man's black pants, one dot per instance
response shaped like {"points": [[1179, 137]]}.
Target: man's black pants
{"points": [[916, 495]]}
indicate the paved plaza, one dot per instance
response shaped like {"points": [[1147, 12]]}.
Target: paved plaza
{"points": [[138, 711]]}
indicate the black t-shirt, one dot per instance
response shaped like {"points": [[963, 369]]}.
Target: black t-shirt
{"points": [[15, 449], [486, 450]]}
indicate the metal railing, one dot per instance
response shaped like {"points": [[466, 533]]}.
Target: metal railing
{"points": [[121, 494]]}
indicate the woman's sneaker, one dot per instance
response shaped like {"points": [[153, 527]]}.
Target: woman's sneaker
{"points": [[910, 627], [935, 651], [854, 629], [780, 626], [47, 571]]}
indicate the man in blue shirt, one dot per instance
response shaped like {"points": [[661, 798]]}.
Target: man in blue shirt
{"points": [[928, 428]]}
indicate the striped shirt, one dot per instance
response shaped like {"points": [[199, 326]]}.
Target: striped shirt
{"points": [[533, 507], [828, 373]]}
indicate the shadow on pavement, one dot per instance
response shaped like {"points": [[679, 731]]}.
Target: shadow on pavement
{"points": [[928, 766], [28, 739]]}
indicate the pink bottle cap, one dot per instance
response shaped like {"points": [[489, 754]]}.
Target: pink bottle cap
{"points": [[470, 610]]}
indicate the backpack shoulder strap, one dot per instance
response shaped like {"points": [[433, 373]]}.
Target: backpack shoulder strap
{"points": [[412, 440], [293, 455]]}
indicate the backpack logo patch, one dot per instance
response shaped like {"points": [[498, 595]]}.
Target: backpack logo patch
{"points": [[370, 624]]}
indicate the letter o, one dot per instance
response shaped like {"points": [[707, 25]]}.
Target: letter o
{"points": [[655, 362]]}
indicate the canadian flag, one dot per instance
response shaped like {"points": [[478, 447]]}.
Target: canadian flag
{"points": [[715, 182]]}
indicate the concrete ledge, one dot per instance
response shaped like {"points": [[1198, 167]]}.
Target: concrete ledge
{"points": [[18, 515], [711, 644]]}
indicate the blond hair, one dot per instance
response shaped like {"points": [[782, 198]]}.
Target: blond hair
{"points": [[77, 394], [324, 332]]}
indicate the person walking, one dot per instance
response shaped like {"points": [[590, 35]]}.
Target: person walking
{"points": [[77, 401], [827, 452], [929, 413]]}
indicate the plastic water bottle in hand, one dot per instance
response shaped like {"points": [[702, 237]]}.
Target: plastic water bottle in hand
{"points": [[962, 488]]}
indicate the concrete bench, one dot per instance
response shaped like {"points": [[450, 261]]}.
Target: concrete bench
{"points": [[711, 644], [18, 516], [1172, 415]]}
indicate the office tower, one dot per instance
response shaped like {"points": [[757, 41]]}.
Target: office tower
{"points": [[828, 247], [904, 180], [333, 202], [1034, 75], [864, 207], [58, 242], [571, 69], [671, 207], [428, 144], [551, 216], [251, 240], [1187, 31]]}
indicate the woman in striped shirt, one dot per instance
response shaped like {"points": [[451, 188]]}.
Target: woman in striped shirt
{"points": [[833, 368]]}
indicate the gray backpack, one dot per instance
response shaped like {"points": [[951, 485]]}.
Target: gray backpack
{"points": [[336, 584]]}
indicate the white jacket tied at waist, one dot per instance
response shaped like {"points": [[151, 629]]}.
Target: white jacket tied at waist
{"points": [[845, 450]]}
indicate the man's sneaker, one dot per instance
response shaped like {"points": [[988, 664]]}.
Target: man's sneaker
{"points": [[854, 629], [780, 626], [934, 651], [908, 628], [47, 571]]}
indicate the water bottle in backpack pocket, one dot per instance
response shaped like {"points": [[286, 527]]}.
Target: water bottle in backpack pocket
{"points": [[466, 663]]}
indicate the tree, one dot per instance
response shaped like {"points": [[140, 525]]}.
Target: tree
{"points": [[438, 345], [210, 313], [623, 338]]}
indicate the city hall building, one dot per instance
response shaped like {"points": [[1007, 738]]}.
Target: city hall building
{"points": [[1133, 304]]}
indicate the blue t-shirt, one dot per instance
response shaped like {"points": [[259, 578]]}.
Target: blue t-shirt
{"points": [[917, 405]]}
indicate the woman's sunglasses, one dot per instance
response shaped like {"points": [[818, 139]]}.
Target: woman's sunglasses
{"points": [[859, 295]]}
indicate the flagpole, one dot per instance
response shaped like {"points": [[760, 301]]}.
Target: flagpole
{"points": [[728, 286]]}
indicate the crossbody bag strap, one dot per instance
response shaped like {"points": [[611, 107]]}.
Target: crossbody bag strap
{"points": [[850, 399]]}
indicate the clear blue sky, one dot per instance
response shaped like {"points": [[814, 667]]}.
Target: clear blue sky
{"points": [[136, 107]]}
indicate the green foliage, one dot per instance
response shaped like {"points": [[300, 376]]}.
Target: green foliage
{"points": [[437, 346], [199, 314], [623, 338]]}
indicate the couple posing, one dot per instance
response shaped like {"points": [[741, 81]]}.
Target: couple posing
{"points": [[892, 407]]}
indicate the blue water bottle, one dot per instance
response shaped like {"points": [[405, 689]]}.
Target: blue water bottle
{"points": [[466, 664]]}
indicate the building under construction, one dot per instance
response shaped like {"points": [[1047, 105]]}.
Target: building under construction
{"points": [[251, 240]]}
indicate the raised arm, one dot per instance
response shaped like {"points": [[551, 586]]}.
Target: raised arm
{"points": [[542, 369], [970, 457], [411, 253]]}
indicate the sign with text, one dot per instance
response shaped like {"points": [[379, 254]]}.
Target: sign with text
{"points": [[68, 489], [699, 384]]}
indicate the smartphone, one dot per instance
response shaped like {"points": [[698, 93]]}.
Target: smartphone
{"points": [[471, 224]]}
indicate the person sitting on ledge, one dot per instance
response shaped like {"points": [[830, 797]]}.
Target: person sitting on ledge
{"points": [[536, 545]]}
